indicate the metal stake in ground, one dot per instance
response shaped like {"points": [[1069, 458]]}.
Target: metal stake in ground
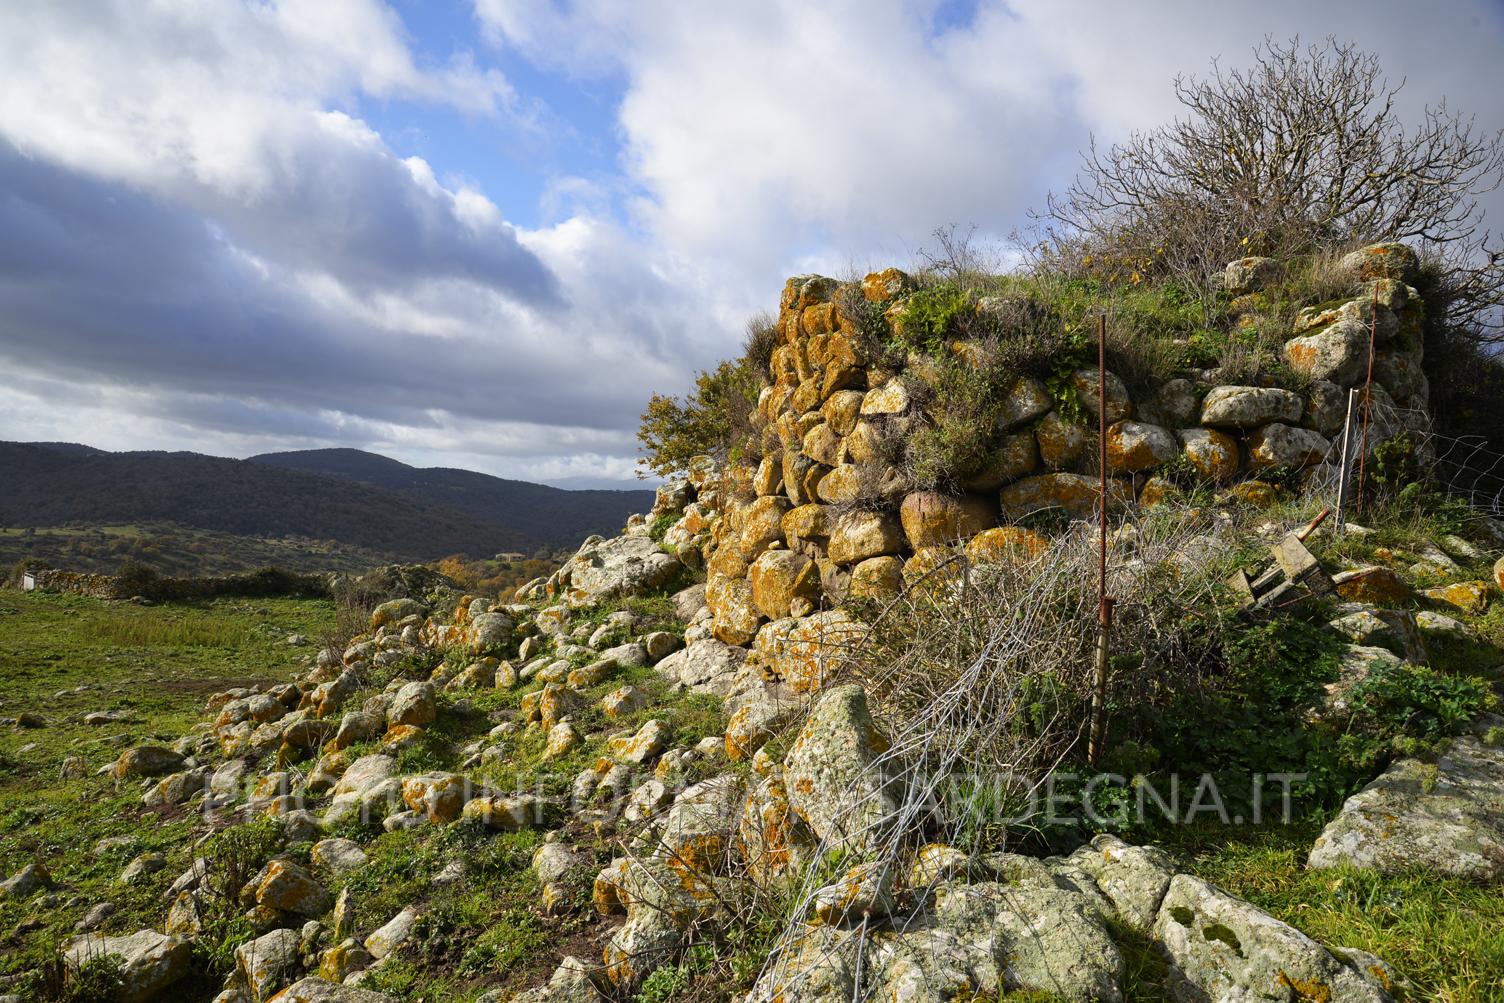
{"points": [[1104, 601], [1373, 327]]}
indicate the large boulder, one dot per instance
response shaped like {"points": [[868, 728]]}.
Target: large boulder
{"points": [[1222, 948], [149, 961], [933, 519], [1133, 447], [617, 568], [1212, 453], [706, 666], [835, 773], [1250, 407], [859, 535], [805, 652], [1249, 275], [1446, 817], [779, 577], [1039, 937], [1115, 392], [1382, 261], [1284, 447], [1337, 352], [268, 963], [1076, 494]]}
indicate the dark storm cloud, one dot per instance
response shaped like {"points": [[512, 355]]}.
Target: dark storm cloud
{"points": [[104, 284]]}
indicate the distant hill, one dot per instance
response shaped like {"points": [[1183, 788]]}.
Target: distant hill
{"points": [[358, 499], [555, 516]]}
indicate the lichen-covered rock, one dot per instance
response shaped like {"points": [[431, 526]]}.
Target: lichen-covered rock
{"points": [[1134, 878], [779, 577], [1172, 405], [1076, 494], [438, 796], [932, 519], [1042, 938], [1250, 407], [1061, 443], [394, 610], [891, 398], [616, 568], [864, 893], [145, 761], [1382, 261], [1222, 948], [1249, 275], [697, 836], [149, 961], [835, 779], [1284, 447], [1026, 400], [733, 609], [1337, 353], [414, 704], [1119, 404], [1005, 543], [857, 536], [1015, 455], [705, 666], [877, 578], [804, 652], [490, 632], [1446, 817], [267, 963], [1134, 446], [318, 990], [287, 887], [643, 746], [1214, 454]]}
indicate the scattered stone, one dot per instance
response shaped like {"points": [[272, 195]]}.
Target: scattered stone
{"points": [[394, 934], [27, 881], [338, 855], [150, 961], [146, 863], [268, 963]]}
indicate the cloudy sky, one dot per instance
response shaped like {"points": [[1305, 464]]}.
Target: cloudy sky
{"points": [[480, 233]]}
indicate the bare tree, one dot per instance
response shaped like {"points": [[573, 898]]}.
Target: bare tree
{"points": [[1303, 149]]}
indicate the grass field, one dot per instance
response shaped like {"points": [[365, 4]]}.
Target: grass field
{"points": [[64, 656]]}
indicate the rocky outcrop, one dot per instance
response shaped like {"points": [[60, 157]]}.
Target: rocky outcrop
{"points": [[1446, 817]]}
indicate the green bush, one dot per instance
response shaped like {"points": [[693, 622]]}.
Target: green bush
{"points": [[714, 419]]}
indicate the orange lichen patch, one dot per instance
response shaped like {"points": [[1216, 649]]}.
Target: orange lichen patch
{"points": [[818, 319], [1005, 543], [887, 284], [401, 736], [609, 894], [807, 396], [285, 887], [439, 796], [1380, 586], [1306, 990], [695, 861], [1256, 493], [1470, 597]]}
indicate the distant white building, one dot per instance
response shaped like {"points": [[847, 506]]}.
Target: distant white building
{"points": [[510, 557], [28, 581]]}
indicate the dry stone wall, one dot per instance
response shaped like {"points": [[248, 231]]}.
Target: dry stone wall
{"points": [[822, 516]]}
